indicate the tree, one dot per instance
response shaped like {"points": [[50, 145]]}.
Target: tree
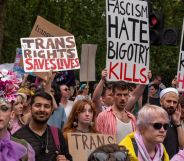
{"points": [[2, 17], [86, 20]]}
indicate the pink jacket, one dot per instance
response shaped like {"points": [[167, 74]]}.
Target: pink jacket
{"points": [[179, 156]]}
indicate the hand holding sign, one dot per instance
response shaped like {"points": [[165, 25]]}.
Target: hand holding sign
{"points": [[104, 74], [61, 158]]}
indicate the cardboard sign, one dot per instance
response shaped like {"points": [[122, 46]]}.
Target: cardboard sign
{"points": [[82, 144], [127, 41], [180, 74], [87, 70], [44, 28], [51, 53]]}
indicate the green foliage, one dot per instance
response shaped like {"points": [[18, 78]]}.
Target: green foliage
{"points": [[86, 20]]}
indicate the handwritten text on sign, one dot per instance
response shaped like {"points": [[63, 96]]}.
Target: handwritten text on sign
{"points": [[82, 144], [51, 53], [127, 40], [180, 74]]}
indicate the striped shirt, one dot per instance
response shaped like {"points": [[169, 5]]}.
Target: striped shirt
{"points": [[106, 122]]}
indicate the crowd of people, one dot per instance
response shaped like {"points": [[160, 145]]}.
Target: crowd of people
{"points": [[36, 116]]}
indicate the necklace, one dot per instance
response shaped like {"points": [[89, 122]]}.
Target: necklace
{"points": [[43, 146], [46, 147], [83, 131]]}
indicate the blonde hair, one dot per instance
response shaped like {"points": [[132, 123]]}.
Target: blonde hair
{"points": [[148, 113]]}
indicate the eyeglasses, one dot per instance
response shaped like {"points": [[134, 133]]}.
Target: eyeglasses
{"points": [[158, 126], [118, 156]]}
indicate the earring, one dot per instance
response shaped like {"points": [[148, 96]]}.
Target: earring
{"points": [[75, 124], [91, 123]]}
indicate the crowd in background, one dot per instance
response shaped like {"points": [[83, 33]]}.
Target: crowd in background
{"points": [[37, 114]]}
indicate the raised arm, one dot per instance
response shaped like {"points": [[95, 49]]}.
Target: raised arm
{"points": [[98, 91], [50, 79], [136, 94]]}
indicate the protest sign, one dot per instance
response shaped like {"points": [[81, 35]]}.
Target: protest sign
{"points": [[82, 144], [127, 41], [18, 66], [87, 70], [51, 53], [180, 73], [44, 28]]}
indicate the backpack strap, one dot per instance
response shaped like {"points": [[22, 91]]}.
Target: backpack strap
{"points": [[135, 146], [55, 135]]}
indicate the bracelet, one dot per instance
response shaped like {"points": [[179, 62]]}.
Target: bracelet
{"points": [[178, 125]]}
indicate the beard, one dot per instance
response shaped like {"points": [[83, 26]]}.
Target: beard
{"points": [[170, 111], [39, 121]]}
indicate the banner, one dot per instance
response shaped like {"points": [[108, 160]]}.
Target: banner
{"points": [[82, 144], [51, 53], [87, 70], [180, 74], [127, 41]]}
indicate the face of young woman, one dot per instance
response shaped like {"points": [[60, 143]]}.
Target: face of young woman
{"points": [[18, 106], [86, 115], [5, 115]]}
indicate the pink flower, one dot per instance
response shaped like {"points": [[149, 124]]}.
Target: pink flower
{"points": [[9, 83]]}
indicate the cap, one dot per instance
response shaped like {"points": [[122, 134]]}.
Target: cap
{"points": [[167, 90]]}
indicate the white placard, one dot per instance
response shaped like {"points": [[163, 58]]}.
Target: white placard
{"points": [[180, 74], [127, 41], [43, 54]]}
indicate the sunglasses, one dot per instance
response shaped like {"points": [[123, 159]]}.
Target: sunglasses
{"points": [[66, 89], [158, 126], [118, 156]]}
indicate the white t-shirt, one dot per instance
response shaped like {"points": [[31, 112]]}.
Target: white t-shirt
{"points": [[123, 129], [68, 108]]}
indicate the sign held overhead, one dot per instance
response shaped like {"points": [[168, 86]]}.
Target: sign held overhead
{"points": [[43, 54], [127, 41]]}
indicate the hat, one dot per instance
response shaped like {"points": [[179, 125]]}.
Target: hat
{"points": [[167, 90]]}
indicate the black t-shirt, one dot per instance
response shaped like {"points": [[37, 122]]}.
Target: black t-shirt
{"points": [[171, 141], [154, 101], [44, 146]]}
